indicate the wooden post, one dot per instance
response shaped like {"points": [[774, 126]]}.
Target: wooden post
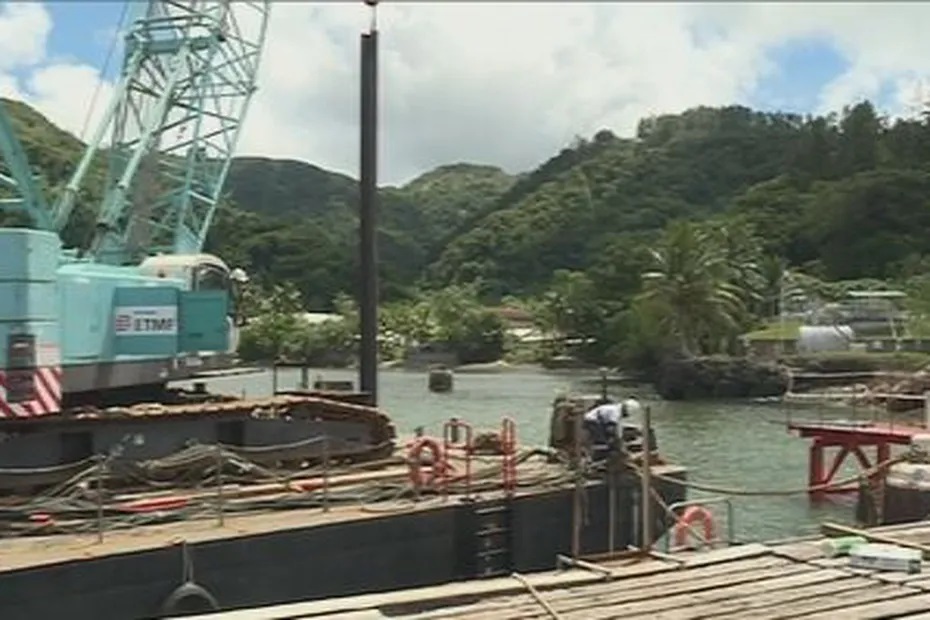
{"points": [[815, 473], [220, 518], [646, 495], [325, 472], [612, 506], [274, 377], [927, 410], [101, 468], [304, 378], [576, 504]]}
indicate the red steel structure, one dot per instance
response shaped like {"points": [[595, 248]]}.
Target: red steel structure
{"points": [[848, 439]]}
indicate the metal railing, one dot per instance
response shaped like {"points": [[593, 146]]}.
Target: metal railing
{"points": [[509, 450], [451, 439]]}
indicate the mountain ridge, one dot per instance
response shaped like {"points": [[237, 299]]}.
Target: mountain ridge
{"points": [[593, 207]]}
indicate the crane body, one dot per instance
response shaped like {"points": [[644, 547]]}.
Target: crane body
{"points": [[140, 305]]}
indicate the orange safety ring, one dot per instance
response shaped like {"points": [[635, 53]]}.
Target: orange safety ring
{"points": [[418, 477], [693, 516]]}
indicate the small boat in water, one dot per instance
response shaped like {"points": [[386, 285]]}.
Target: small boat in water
{"points": [[441, 379]]}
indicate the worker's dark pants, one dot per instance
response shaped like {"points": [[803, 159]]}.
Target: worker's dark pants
{"points": [[602, 438]]}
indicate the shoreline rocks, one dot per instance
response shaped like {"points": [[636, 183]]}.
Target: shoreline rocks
{"points": [[719, 377]]}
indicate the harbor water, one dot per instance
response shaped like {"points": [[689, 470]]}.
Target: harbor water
{"points": [[732, 445]]}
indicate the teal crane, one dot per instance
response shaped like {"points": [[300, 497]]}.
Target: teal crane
{"points": [[168, 134]]}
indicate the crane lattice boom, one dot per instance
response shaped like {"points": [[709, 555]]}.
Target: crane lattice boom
{"points": [[188, 75]]}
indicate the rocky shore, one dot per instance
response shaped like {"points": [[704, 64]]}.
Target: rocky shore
{"points": [[720, 377], [893, 382]]}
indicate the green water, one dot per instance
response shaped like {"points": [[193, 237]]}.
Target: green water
{"points": [[735, 445]]}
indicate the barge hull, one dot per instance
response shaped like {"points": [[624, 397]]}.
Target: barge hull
{"points": [[420, 547]]}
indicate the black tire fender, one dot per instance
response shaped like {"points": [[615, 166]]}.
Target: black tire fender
{"points": [[189, 598]]}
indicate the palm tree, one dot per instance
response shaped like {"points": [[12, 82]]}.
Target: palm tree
{"points": [[691, 289], [773, 270], [740, 247]]}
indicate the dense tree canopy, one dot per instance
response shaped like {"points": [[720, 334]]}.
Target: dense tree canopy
{"points": [[715, 205]]}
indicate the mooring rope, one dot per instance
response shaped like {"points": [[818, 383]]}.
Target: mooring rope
{"points": [[868, 473]]}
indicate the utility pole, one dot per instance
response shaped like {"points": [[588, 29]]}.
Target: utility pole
{"points": [[368, 212]]}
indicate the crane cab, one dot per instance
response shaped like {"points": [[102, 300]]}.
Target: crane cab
{"points": [[201, 273]]}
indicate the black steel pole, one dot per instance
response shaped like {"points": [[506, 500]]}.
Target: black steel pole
{"points": [[368, 250]]}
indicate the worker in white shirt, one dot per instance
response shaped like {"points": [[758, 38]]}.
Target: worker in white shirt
{"points": [[604, 424]]}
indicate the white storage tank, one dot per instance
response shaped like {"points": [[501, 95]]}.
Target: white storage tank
{"points": [[820, 338]]}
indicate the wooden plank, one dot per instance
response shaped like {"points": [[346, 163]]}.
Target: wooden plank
{"points": [[899, 538], [682, 578], [476, 589], [902, 578], [536, 595], [356, 615], [729, 554], [920, 581], [837, 605], [738, 609], [884, 609], [631, 592], [495, 609], [494, 598], [837, 562], [439, 615], [842, 563], [801, 551], [906, 529], [688, 601], [567, 597]]}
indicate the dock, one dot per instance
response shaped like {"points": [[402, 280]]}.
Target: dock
{"points": [[850, 440], [791, 579]]}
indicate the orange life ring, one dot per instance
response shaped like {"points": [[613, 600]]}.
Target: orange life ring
{"points": [[418, 477], [693, 516]]}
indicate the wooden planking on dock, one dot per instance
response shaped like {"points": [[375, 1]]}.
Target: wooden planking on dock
{"points": [[781, 580]]}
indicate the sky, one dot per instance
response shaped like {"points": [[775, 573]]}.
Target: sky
{"points": [[505, 84]]}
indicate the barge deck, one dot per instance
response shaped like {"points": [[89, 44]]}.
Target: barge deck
{"points": [[270, 543], [775, 580], [34, 551]]}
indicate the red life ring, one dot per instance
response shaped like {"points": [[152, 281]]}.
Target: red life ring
{"points": [[693, 516], [418, 477]]}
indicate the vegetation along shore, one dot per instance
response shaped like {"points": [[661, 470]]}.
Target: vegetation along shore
{"points": [[698, 254]]}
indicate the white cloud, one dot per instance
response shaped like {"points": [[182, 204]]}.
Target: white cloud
{"points": [[506, 84], [24, 28], [63, 91], [499, 83], [509, 84]]}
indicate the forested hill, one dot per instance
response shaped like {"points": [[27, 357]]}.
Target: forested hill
{"points": [[838, 197], [298, 222], [846, 197], [841, 196]]}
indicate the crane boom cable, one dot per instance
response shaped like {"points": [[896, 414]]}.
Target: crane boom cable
{"points": [[113, 207], [65, 203], [120, 25]]}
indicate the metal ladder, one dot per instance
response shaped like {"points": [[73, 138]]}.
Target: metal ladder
{"points": [[494, 535]]}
